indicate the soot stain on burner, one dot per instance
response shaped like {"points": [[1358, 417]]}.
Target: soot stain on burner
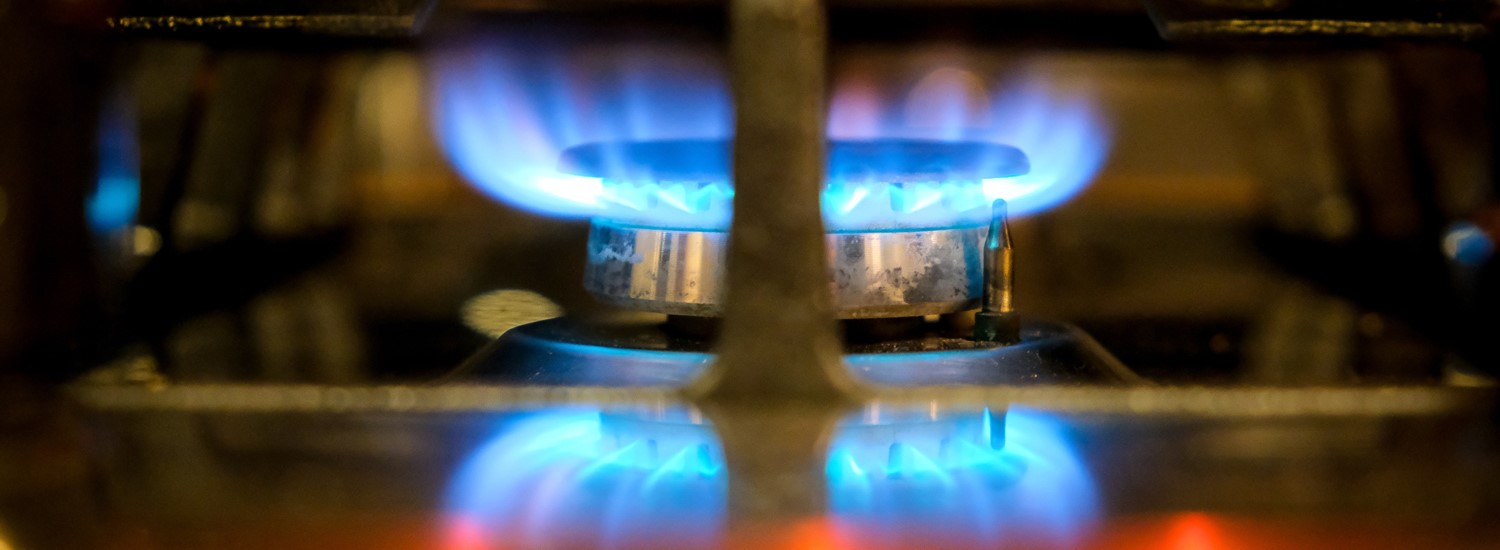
{"points": [[872, 275], [610, 263], [626, 253], [936, 280], [853, 251], [940, 274]]}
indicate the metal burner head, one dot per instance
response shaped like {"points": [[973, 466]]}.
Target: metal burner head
{"points": [[873, 275], [649, 161], [708, 160], [906, 160]]}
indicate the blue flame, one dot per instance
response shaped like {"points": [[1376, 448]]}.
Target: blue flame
{"points": [[965, 484], [584, 478], [1053, 122], [117, 193], [567, 479], [1067, 146], [506, 105]]}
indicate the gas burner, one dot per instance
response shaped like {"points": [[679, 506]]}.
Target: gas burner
{"points": [[906, 218], [886, 280]]}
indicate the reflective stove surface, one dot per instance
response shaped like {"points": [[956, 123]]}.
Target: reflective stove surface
{"points": [[651, 476]]}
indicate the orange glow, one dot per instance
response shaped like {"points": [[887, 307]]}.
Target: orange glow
{"points": [[1203, 531], [807, 534], [1178, 531], [465, 533], [814, 534], [1193, 531]]}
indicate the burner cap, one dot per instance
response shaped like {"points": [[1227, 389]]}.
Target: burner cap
{"points": [[887, 160]]}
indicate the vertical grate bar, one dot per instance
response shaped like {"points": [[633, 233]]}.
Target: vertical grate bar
{"points": [[779, 337], [779, 383]]}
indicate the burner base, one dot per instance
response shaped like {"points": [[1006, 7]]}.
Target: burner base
{"points": [[570, 352], [908, 273]]}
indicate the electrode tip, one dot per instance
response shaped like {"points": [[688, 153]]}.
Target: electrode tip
{"points": [[997, 321], [999, 236]]}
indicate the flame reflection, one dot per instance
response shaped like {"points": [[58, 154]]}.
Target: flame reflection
{"points": [[966, 488], [656, 478], [576, 479], [506, 105]]}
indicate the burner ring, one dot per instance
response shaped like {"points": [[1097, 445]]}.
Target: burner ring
{"points": [[880, 159], [871, 275]]}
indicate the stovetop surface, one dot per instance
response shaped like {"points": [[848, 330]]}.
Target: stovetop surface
{"points": [[322, 413], [434, 466]]}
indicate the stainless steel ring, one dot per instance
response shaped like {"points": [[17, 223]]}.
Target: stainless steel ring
{"points": [[872, 275]]}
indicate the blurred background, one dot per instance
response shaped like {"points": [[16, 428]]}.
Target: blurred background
{"points": [[282, 205], [305, 192]]}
